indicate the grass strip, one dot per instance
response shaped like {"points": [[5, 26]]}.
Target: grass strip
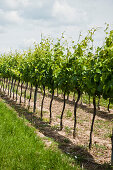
{"points": [[20, 148]]}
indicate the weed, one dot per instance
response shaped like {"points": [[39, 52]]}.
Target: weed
{"points": [[55, 127], [68, 114], [66, 140], [67, 130]]}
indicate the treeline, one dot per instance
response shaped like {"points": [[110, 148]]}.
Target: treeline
{"points": [[54, 65]]}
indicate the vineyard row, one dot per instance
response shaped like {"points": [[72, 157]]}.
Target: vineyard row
{"points": [[55, 65]]}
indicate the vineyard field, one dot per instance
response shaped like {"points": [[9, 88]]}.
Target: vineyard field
{"points": [[66, 87]]}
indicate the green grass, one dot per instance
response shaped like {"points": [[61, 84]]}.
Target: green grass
{"points": [[20, 148], [68, 114], [54, 127], [68, 130]]}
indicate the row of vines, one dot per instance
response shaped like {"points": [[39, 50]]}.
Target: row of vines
{"points": [[54, 65]]}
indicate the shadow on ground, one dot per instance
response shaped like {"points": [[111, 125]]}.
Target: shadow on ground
{"points": [[103, 114], [81, 155]]}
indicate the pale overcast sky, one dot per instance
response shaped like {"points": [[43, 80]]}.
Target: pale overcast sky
{"points": [[23, 21]]}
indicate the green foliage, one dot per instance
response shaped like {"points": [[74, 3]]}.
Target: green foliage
{"points": [[53, 64]]}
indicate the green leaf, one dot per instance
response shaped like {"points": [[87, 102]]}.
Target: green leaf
{"points": [[98, 71]]}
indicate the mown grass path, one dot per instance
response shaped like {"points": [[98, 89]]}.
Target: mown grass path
{"points": [[20, 148]]}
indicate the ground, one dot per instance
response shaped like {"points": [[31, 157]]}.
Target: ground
{"points": [[98, 156]]}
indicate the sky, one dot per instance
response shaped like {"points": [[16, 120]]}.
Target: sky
{"points": [[23, 21]]}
